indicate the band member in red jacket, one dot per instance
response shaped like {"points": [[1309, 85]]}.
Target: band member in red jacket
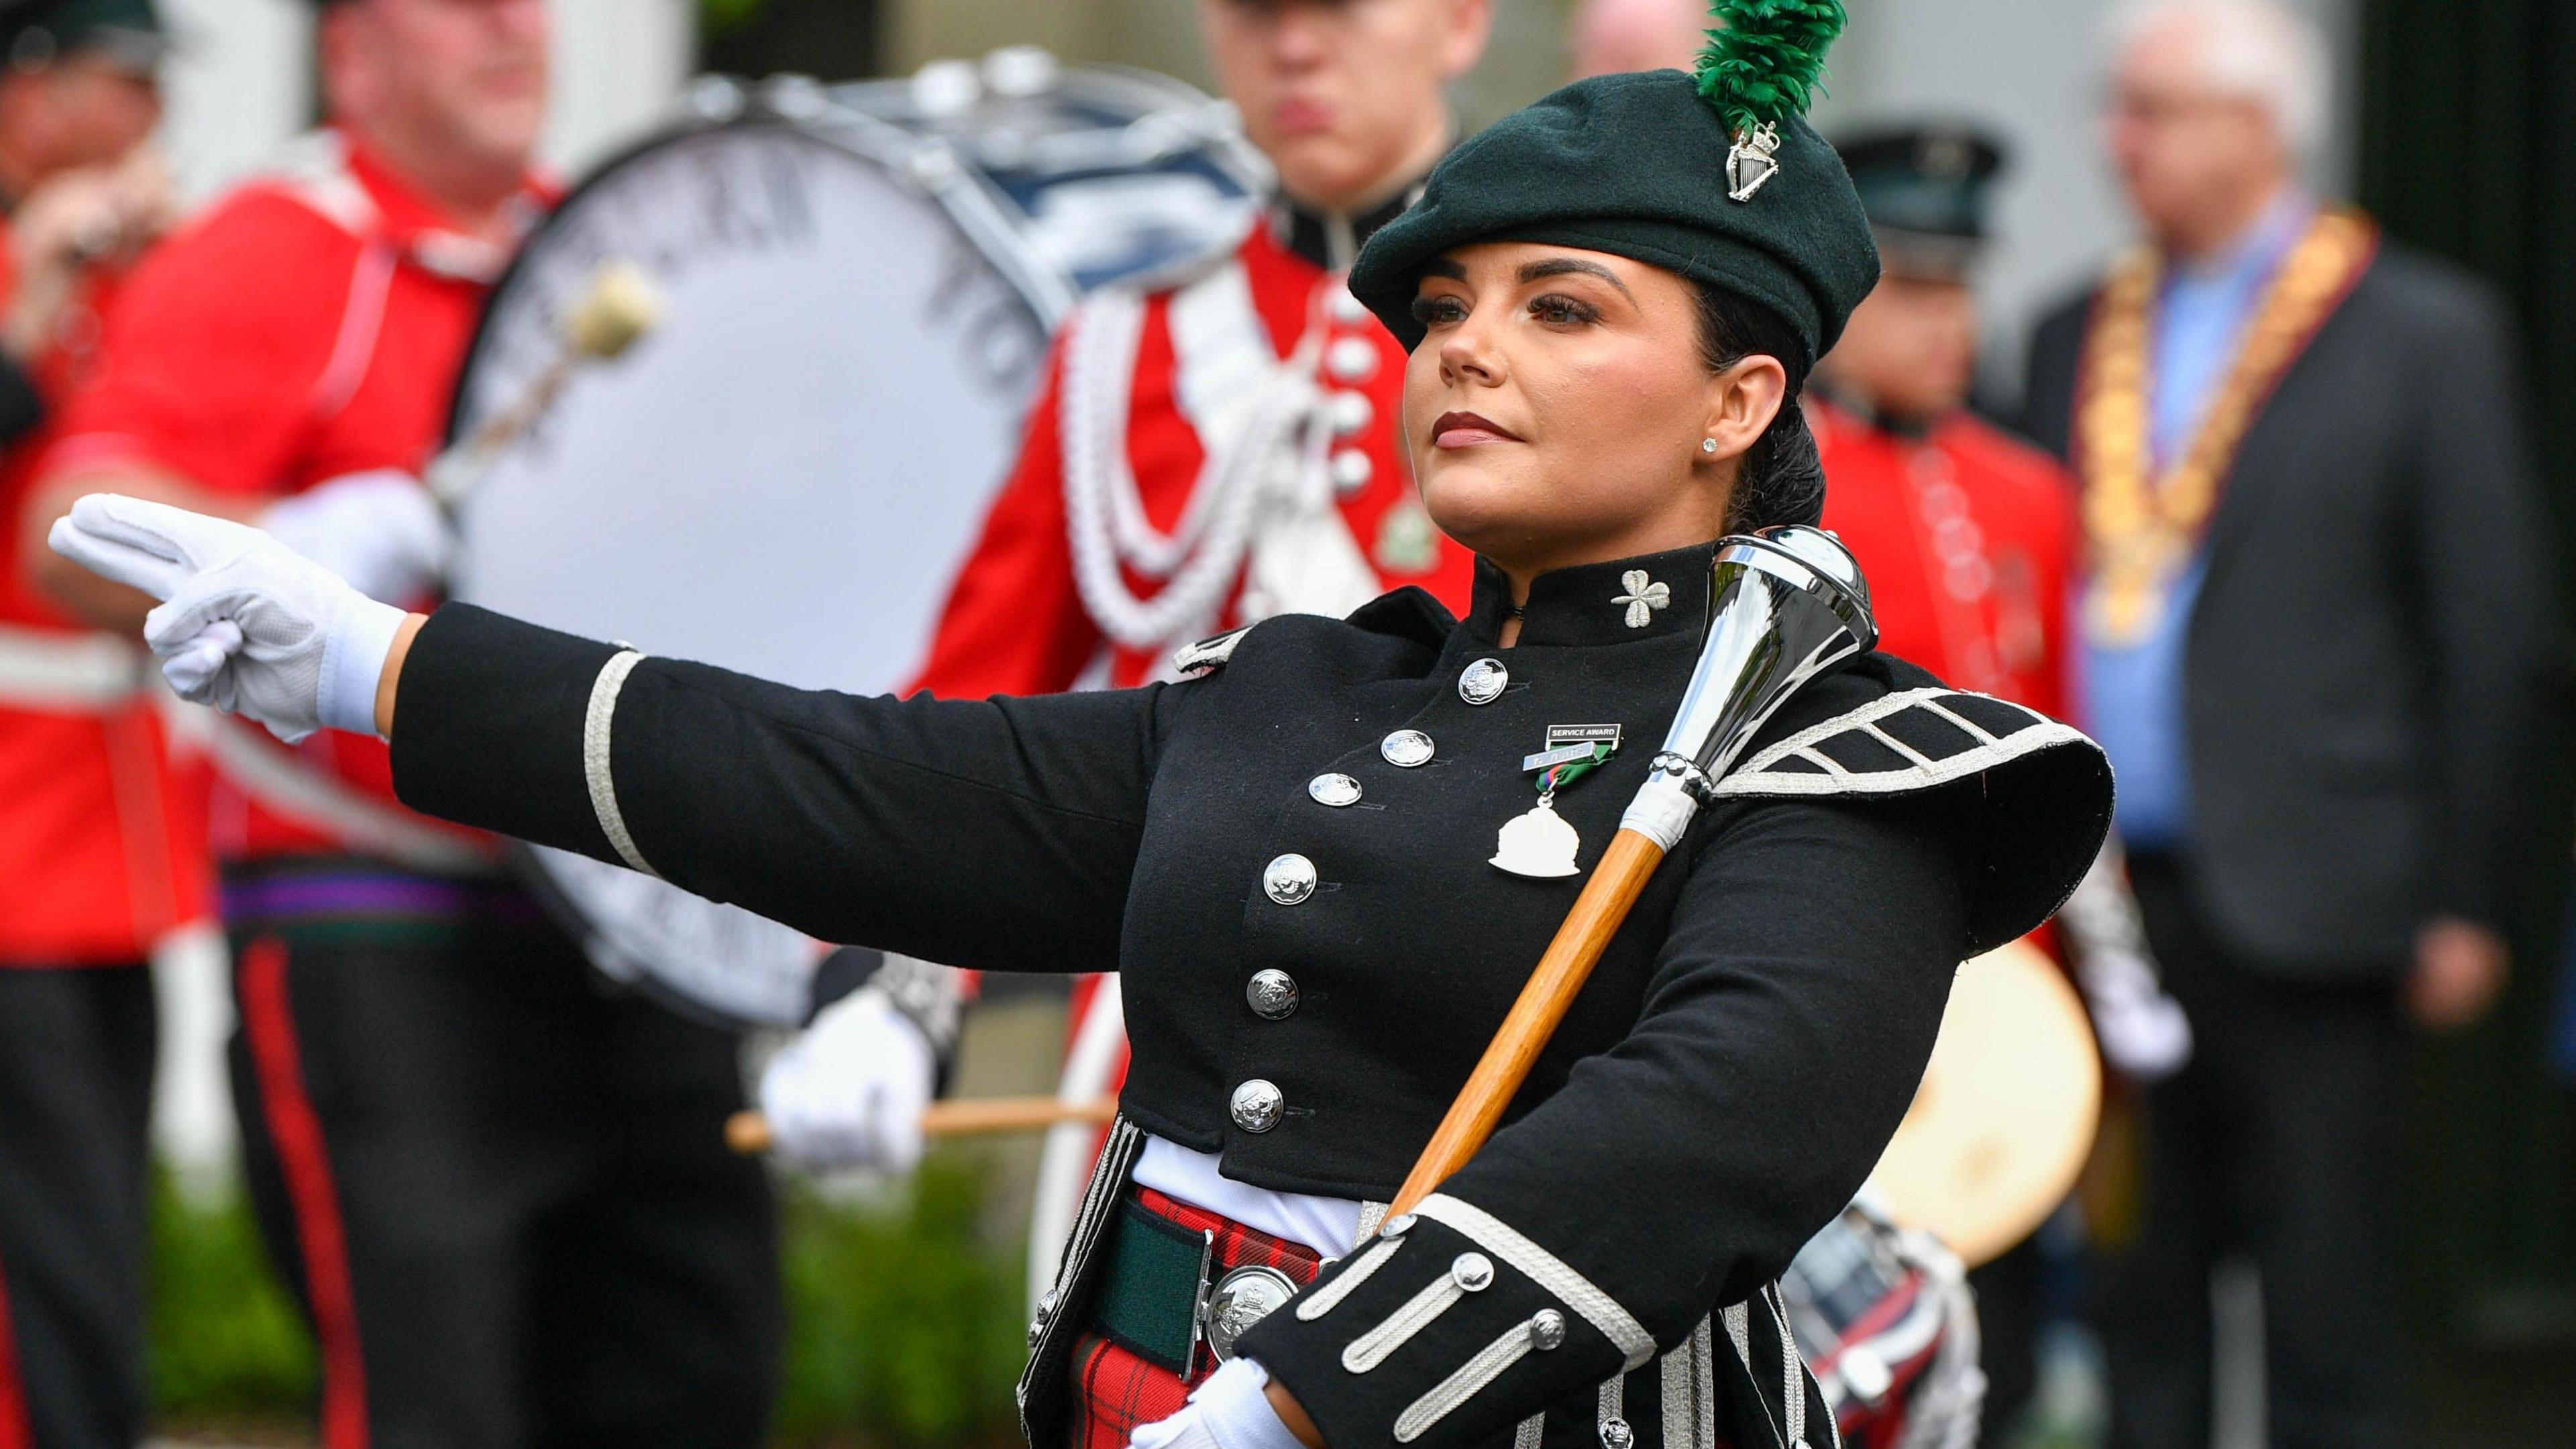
{"points": [[479, 1171], [101, 844], [1965, 531], [1206, 452], [1222, 449], [1967, 534]]}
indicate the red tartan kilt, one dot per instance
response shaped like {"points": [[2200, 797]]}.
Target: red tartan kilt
{"points": [[1114, 1388]]}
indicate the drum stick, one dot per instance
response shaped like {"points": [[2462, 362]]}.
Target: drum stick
{"points": [[618, 305], [748, 1132]]}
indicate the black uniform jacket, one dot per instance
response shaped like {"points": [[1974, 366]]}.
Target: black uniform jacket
{"points": [[1723, 1086]]}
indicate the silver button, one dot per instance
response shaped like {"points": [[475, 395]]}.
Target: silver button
{"points": [[1336, 790], [1396, 1227], [1344, 306], [1351, 471], [1352, 359], [1349, 412], [1272, 994], [1615, 1434], [1547, 1329], [1406, 748], [1256, 1106], [1482, 682], [1289, 879], [1473, 1272]]}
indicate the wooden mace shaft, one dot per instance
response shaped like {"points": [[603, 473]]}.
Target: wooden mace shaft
{"points": [[748, 1132], [1622, 873]]}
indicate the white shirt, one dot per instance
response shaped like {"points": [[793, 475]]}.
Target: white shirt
{"points": [[1329, 1225]]}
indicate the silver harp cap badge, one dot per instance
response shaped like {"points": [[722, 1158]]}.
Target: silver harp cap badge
{"points": [[1753, 160]]}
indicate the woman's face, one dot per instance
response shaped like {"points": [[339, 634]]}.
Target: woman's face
{"points": [[1557, 407]]}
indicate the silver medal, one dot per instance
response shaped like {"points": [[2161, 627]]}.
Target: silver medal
{"points": [[1539, 844]]}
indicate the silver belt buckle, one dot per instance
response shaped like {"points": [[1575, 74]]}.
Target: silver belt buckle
{"points": [[1239, 1300]]}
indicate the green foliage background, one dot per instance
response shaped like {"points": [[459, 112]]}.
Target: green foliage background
{"points": [[904, 1321]]}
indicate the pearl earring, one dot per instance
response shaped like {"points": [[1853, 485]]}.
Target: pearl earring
{"points": [[1708, 445]]}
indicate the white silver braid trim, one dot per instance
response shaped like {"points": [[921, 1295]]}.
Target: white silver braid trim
{"points": [[1372, 1216], [1689, 1387], [1912, 740], [1610, 1422], [595, 725], [1416, 1314], [1207, 656], [1550, 1272], [1793, 1370], [1311, 1306], [1528, 1433], [1516, 1343]]}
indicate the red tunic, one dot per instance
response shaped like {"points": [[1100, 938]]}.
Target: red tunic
{"points": [[1017, 622], [1965, 537], [102, 839], [307, 326]]}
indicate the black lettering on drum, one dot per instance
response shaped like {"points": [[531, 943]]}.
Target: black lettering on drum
{"points": [[1001, 346]]}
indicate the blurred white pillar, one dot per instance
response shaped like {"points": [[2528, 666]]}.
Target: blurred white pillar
{"points": [[242, 81], [619, 65]]}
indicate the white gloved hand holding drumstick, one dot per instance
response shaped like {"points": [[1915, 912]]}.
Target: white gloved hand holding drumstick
{"points": [[850, 1092], [246, 624]]}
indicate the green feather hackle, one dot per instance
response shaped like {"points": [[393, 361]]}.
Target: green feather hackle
{"points": [[1765, 57]]}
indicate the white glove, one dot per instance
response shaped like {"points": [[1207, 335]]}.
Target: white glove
{"points": [[850, 1092], [246, 624], [1229, 1411], [2142, 1030], [381, 531]]}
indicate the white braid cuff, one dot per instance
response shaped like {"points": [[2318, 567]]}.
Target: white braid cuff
{"points": [[1546, 1269], [595, 725]]}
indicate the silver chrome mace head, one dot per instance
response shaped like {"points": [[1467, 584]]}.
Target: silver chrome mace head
{"points": [[1785, 606]]}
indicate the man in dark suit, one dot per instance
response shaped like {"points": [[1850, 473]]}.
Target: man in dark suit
{"points": [[2314, 633]]}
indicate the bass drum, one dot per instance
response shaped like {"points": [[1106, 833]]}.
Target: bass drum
{"points": [[785, 474]]}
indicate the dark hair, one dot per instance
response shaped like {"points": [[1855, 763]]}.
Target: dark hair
{"points": [[1782, 479]]}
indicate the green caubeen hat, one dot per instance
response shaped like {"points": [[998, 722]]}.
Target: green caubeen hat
{"points": [[1716, 176]]}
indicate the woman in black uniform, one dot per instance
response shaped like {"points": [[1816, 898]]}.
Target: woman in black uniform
{"points": [[1290, 854]]}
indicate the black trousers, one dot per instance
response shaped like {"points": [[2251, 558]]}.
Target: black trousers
{"points": [[502, 1193], [76, 1048], [2279, 1141]]}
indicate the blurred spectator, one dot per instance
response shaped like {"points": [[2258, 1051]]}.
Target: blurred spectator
{"points": [[2315, 622], [1963, 531], [101, 852], [500, 1193], [1611, 36]]}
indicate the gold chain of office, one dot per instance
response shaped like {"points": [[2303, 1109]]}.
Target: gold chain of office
{"points": [[2140, 532]]}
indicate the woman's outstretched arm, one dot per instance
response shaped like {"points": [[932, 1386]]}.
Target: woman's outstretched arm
{"points": [[997, 834]]}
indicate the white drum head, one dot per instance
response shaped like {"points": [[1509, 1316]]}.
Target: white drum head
{"points": [[782, 478]]}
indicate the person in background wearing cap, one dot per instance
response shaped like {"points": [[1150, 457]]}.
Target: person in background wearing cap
{"points": [[1967, 536], [2317, 636], [499, 1190], [1311, 859], [1098, 558], [102, 844]]}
